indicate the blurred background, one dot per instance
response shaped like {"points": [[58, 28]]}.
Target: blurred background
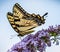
{"points": [[31, 6]]}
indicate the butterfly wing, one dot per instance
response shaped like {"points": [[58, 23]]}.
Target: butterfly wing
{"points": [[16, 23], [20, 25], [19, 11], [11, 20]]}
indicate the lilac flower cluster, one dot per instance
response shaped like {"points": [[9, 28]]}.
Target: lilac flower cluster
{"points": [[39, 41], [53, 30]]}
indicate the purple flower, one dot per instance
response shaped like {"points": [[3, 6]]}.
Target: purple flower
{"points": [[39, 41], [55, 30], [27, 38]]}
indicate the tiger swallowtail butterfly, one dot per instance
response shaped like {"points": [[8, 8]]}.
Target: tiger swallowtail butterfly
{"points": [[23, 22]]}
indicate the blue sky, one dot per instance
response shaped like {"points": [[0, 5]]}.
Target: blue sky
{"points": [[31, 6]]}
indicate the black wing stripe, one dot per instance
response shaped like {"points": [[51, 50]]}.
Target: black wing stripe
{"points": [[20, 8], [16, 19]]}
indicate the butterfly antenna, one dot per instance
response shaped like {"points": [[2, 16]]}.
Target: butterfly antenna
{"points": [[45, 14]]}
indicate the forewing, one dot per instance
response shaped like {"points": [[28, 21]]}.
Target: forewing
{"points": [[18, 11]]}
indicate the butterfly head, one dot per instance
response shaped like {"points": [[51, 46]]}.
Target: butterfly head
{"points": [[39, 19]]}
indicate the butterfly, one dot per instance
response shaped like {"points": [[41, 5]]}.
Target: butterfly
{"points": [[23, 22]]}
